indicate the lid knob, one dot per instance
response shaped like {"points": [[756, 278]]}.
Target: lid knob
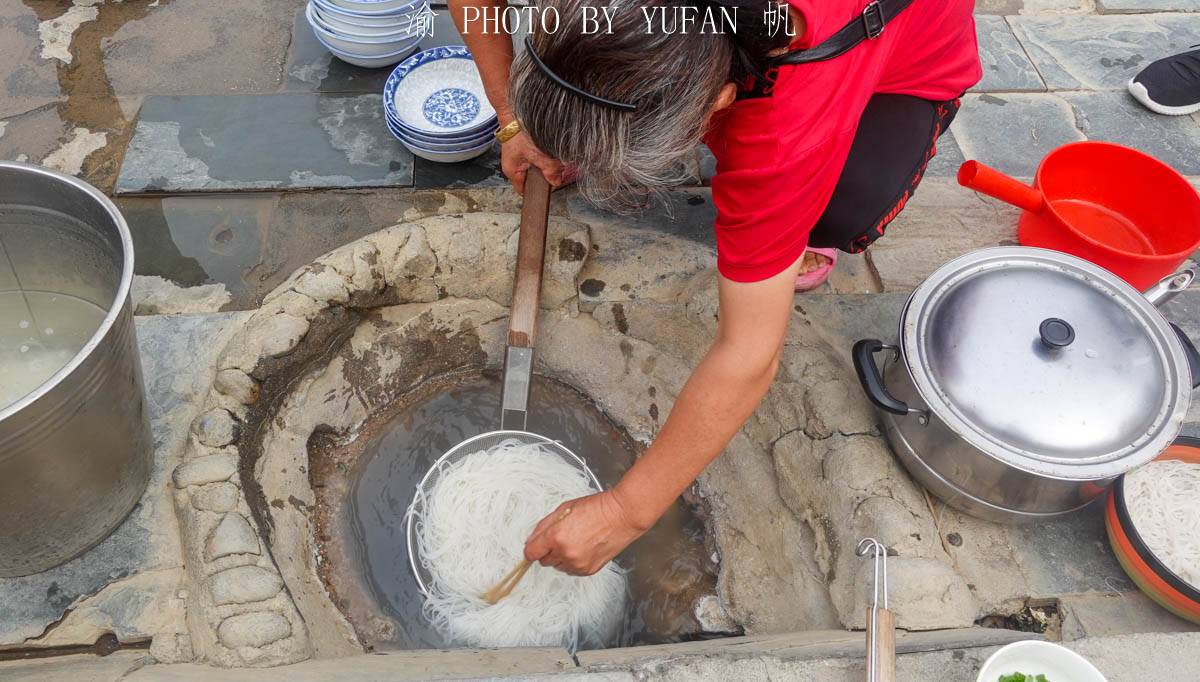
{"points": [[1056, 333]]}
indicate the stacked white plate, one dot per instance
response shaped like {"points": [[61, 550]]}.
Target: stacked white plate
{"points": [[370, 33], [435, 105]]}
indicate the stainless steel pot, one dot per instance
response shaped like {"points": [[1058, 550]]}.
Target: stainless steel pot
{"points": [[75, 452], [1025, 381]]}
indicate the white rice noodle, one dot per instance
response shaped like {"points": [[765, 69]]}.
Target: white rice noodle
{"points": [[1163, 499], [472, 532]]}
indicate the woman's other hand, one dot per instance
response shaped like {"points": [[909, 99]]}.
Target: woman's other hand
{"points": [[597, 528], [519, 153]]}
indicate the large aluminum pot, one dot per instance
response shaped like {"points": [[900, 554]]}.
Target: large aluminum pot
{"points": [[1025, 381], [75, 451]]}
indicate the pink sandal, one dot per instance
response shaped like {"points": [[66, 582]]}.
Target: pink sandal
{"points": [[814, 279]]}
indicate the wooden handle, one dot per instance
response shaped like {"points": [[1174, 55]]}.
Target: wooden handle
{"points": [[882, 657], [531, 253]]}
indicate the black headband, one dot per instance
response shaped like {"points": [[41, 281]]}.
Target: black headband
{"points": [[623, 106]]}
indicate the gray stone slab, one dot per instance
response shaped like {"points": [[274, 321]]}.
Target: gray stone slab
{"points": [[1005, 64], [182, 48], [687, 213], [239, 142], [1068, 554], [948, 158], [942, 221], [1117, 117], [998, 7], [313, 68], [1088, 52], [28, 79], [1143, 6], [791, 646], [83, 136], [1104, 614], [76, 668], [202, 238], [118, 581], [1164, 656], [1012, 132], [390, 666]]}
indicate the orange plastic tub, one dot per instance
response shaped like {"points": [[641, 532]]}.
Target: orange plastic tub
{"points": [[1117, 207]]}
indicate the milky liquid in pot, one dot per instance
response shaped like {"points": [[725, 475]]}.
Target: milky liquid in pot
{"points": [[667, 565], [41, 327]]}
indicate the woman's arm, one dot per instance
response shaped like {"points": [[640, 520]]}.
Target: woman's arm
{"points": [[493, 54], [721, 394]]}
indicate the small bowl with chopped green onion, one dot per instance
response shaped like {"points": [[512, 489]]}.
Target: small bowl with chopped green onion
{"points": [[1037, 661]]}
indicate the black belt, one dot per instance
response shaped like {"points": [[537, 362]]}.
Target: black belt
{"points": [[867, 26]]}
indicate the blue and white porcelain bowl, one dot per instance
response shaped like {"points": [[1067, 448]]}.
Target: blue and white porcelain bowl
{"points": [[449, 157], [374, 7], [369, 61], [438, 92], [423, 139], [487, 125], [390, 18], [364, 46], [405, 24], [441, 145]]}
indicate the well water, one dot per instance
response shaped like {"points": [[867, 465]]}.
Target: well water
{"points": [[667, 567]]}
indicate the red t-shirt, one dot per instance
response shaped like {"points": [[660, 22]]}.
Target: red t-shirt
{"points": [[779, 157]]}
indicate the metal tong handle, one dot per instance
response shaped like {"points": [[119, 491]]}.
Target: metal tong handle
{"points": [[881, 623], [527, 290]]}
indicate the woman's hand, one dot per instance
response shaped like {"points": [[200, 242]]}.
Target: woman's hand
{"points": [[598, 527], [519, 153]]}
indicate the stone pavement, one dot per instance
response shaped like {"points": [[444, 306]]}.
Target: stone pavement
{"points": [[239, 150], [162, 98]]}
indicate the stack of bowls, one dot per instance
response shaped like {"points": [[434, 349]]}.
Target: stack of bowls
{"points": [[369, 33], [435, 105]]}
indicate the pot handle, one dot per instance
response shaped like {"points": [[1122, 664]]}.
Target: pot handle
{"points": [[1170, 286], [1193, 356], [872, 381]]}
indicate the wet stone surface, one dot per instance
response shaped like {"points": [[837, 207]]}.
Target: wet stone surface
{"points": [[483, 171], [1101, 52], [195, 240], [143, 553], [250, 242], [1005, 64], [29, 80], [240, 142], [311, 67], [687, 213]]}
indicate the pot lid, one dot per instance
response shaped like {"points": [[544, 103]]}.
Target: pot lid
{"points": [[1046, 362]]}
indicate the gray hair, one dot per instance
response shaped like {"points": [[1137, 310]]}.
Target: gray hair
{"points": [[621, 157]]}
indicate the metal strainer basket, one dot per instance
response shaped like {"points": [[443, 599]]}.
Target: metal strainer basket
{"points": [[470, 446], [518, 365]]}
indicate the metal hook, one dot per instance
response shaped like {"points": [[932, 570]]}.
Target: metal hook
{"points": [[880, 558]]}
